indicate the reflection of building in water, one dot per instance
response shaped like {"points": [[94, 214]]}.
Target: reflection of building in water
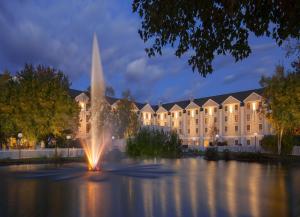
{"points": [[254, 190], [147, 189], [211, 192], [231, 191], [193, 189]]}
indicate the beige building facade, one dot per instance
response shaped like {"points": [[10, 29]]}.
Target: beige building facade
{"points": [[232, 119]]}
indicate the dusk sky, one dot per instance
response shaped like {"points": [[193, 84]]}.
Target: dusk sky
{"points": [[60, 35]]}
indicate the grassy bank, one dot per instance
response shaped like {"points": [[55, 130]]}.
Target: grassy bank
{"points": [[58, 160]]}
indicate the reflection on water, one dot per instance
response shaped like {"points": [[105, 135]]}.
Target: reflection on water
{"points": [[197, 188]]}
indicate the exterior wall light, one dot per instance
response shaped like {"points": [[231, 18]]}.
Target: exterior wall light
{"points": [[210, 111], [193, 114]]}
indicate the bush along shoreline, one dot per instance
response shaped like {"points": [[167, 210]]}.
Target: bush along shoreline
{"points": [[152, 142]]}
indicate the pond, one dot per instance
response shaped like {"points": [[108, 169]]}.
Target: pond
{"points": [[179, 187]]}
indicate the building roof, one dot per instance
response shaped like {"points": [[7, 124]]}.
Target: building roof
{"points": [[241, 96]]}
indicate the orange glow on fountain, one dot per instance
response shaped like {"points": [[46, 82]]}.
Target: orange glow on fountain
{"points": [[98, 137]]}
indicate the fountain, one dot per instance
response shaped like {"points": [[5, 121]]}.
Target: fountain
{"points": [[99, 135]]}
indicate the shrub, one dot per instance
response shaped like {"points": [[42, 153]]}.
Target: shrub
{"points": [[150, 142], [211, 153], [269, 143]]}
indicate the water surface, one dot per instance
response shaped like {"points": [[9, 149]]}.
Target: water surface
{"points": [[182, 187]]}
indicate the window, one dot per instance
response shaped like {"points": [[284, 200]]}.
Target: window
{"points": [[205, 130], [189, 131], [158, 116], [189, 112], [197, 130], [215, 110], [260, 127], [196, 111], [215, 119], [180, 131], [248, 117], [236, 128], [165, 115], [236, 118], [226, 108], [172, 123], [205, 110], [248, 128], [248, 105], [146, 115], [236, 142], [205, 120], [236, 107], [196, 121], [179, 114], [248, 141], [172, 114], [225, 128], [225, 118]]}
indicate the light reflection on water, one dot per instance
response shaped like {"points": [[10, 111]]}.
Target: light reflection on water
{"points": [[197, 188]]}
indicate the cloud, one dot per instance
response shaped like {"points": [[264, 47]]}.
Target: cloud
{"points": [[140, 70]]}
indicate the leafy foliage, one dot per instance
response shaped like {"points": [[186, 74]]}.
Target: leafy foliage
{"points": [[37, 103], [126, 117], [203, 29], [282, 100], [154, 143]]}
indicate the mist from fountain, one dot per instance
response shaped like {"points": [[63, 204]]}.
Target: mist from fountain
{"points": [[99, 136]]}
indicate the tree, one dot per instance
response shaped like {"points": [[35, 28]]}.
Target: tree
{"points": [[203, 29], [109, 91], [127, 118], [39, 103], [282, 100]]}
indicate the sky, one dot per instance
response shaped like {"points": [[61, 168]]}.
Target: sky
{"points": [[60, 33]]}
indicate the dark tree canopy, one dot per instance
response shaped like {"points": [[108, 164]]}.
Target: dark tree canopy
{"points": [[208, 28]]}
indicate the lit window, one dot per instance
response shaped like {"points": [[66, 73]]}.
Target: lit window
{"points": [[210, 111], [193, 113], [230, 109], [253, 106], [205, 111]]}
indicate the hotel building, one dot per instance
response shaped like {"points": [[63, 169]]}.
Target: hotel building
{"points": [[233, 118]]}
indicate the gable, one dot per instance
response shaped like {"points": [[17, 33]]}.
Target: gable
{"points": [[209, 103], [192, 105], [176, 108], [230, 100], [82, 98], [253, 97], [147, 108], [161, 110]]}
